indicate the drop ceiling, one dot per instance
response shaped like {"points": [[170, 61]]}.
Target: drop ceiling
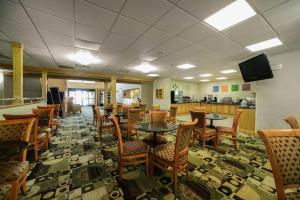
{"points": [[123, 32]]}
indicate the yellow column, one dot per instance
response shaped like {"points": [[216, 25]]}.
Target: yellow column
{"points": [[17, 51], [44, 85], [113, 93], [105, 94]]}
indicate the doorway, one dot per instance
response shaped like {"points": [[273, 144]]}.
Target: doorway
{"points": [[83, 97]]}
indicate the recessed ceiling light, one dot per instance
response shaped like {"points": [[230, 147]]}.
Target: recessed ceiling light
{"points": [[153, 75], [232, 14], [188, 78], [204, 80], [264, 45], [145, 68], [221, 78], [205, 75], [83, 58], [75, 81], [228, 71], [186, 66], [88, 81]]}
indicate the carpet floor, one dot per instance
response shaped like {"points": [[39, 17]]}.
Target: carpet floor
{"points": [[76, 166]]}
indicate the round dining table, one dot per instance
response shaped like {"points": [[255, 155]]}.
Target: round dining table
{"points": [[212, 117], [9, 149], [156, 128]]}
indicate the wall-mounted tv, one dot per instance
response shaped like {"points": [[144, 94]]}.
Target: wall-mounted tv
{"points": [[256, 68]]}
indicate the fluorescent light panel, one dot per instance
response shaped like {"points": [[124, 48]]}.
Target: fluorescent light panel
{"points": [[188, 78], [221, 78], [228, 71], [204, 80], [232, 14], [264, 45], [83, 58], [186, 66], [205, 75], [145, 68], [153, 75]]}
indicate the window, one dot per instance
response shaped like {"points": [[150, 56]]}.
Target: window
{"points": [[83, 97]]}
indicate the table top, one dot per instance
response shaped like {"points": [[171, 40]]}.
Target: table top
{"points": [[214, 116], [11, 148], [150, 127]]}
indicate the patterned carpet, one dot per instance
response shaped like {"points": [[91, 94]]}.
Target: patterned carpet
{"points": [[77, 167]]}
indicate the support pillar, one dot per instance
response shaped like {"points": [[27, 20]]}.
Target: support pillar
{"points": [[44, 85], [17, 52], [113, 93], [106, 91]]}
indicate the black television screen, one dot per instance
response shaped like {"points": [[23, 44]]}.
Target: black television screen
{"points": [[256, 68]]}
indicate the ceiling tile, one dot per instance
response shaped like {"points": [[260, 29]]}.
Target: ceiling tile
{"points": [[116, 41], [13, 12], [91, 15], [63, 50], [50, 37], [60, 8], [114, 5], [146, 11], [85, 44], [204, 8], [241, 34], [191, 50], [51, 23], [275, 50], [17, 32], [283, 13], [40, 56], [174, 44], [264, 5], [129, 28], [5, 45], [89, 33], [175, 21], [197, 33]]}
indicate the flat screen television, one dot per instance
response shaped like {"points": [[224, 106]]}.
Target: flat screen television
{"points": [[256, 68]]}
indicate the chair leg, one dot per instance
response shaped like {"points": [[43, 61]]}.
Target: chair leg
{"points": [[175, 181], [147, 165], [234, 142], [203, 142], [120, 169], [187, 172], [151, 167], [15, 190], [23, 184]]}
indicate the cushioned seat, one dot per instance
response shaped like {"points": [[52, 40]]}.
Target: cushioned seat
{"points": [[135, 147], [12, 170], [165, 152], [224, 129], [44, 130], [292, 196], [4, 191]]}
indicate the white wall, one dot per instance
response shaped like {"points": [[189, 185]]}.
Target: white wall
{"points": [[280, 96], [189, 88], [147, 94], [205, 89], [165, 84], [125, 86]]}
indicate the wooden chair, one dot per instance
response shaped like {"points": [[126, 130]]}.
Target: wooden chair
{"points": [[119, 108], [172, 114], [143, 110], [174, 158], [37, 139], [103, 123], [94, 115], [131, 152], [230, 132], [133, 119], [292, 121], [155, 107], [204, 134], [56, 108], [199, 108], [5, 190], [45, 119], [283, 148], [14, 172], [125, 109]]}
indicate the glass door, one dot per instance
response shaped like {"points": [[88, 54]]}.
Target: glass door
{"points": [[83, 97]]}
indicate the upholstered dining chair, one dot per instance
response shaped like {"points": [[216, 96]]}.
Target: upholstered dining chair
{"points": [[155, 107], [119, 108], [125, 109], [174, 158], [45, 119], [103, 124], [55, 119], [292, 121], [283, 148], [143, 110], [130, 152], [14, 172], [133, 119], [230, 132], [172, 114], [5, 190], [37, 139], [201, 131]]}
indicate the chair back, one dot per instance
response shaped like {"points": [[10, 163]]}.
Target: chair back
{"points": [[119, 108], [182, 144], [135, 105], [125, 109], [55, 107], [283, 148], [292, 121], [155, 107], [236, 120], [200, 116], [143, 108], [34, 129], [133, 116], [119, 135], [158, 117], [173, 111], [45, 116], [199, 108], [17, 129]]}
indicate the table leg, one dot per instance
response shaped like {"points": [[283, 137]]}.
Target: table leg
{"points": [[154, 139]]}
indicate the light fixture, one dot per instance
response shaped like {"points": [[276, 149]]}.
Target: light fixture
{"points": [[153, 75], [75, 81], [205, 75], [264, 45], [204, 80], [228, 71], [188, 78], [83, 58], [221, 78], [232, 14], [88, 81], [186, 66], [145, 68]]}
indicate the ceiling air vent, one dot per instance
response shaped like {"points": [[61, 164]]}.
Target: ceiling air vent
{"points": [[85, 44], [65, 67]]}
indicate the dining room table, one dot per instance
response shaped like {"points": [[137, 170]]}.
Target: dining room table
{"points": [[212, 117], [156, 128], [10, 149], [119, 115]]}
